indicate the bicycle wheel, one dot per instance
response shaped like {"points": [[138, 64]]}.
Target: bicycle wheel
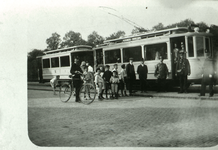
{"points": [[87, 94], [65, 92]]}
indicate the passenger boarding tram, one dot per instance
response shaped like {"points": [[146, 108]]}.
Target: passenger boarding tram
{"points": [[151, 45]]}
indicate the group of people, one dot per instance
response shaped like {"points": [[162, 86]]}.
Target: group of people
{"points": [[111, 82], [105, 80]]}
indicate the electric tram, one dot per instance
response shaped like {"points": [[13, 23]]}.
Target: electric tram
{"points": [[151, 45], [148, 45], [58, 62]]}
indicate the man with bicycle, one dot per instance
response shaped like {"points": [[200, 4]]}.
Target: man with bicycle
{"points": [[76, 71]]}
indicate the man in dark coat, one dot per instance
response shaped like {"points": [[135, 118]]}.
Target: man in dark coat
{"points": [[183, 70], [76, 72], [142, 70], [208, 76], [161, 73], [130, 71]]}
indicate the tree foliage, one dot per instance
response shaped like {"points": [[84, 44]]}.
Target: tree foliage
{"points": [[53, 42], [116, 35], [72, 38], [157, 27], [33, 64], [94, 39]]}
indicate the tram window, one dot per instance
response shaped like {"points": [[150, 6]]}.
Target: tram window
{"points": [[112, 56], [55, 62], [154, 51], [207, 44], [83, 56], [65, 61], [134, 52], [46, 63], [200, 46], [99, 56], [190, 47]]}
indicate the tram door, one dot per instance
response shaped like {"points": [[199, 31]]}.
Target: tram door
{"points": [[176, 44], [98, 57]]}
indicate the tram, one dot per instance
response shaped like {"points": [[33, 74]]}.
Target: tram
{"points": [[58, 62], [151, 45], [148, 45]]}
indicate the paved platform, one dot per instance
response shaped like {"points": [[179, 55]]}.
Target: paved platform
{"points": [[193, 92]]}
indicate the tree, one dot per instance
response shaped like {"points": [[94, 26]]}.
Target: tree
{"points": [[34, 64], [157, 27], [95, 39], [53, 42], [72, 38], [183, 23], [116, 35], [203, 26]]}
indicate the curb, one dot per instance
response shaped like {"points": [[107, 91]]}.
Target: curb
{"points": [[150, 96], [179, 97]]}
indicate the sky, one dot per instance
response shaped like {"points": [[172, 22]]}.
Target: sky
{"points": [[29, 23]]}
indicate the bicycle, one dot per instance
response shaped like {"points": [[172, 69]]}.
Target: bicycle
{"points": [[87, 92]]}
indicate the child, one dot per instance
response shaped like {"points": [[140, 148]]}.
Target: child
{"points": [[123, 80], [99, 83], [107, 75], [114, 80], [103, 87], [88, 78], [87, 75], [54, 83], [116, 69]]}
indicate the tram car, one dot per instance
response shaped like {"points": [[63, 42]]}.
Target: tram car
{"points": [[151, 45], [58, 62]]}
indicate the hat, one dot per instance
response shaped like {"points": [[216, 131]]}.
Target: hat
{"points": [[123, 66], [130, 58], [107, 66]]}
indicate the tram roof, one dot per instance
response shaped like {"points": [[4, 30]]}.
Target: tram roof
{"points": [[149, 34], [73, 48]]}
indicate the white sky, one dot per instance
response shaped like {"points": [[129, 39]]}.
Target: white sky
{"points": [[34, 21]]}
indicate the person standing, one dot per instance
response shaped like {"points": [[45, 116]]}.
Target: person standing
{"points": [[208, 76], [130, 71], [90, 68], [114, 80], [83, 65], [183, 70], [116, 69], [103, 86], [107, 75], [161, 73], [76, 71], [123, 81], [99, 81], [142, 70]]}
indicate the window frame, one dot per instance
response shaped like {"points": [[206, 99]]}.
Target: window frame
{"points": [[193, 47], [62, 61], [203, 44], [43, 64], [109, 51], [135, 60], [146, 50], [56, 66]]}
